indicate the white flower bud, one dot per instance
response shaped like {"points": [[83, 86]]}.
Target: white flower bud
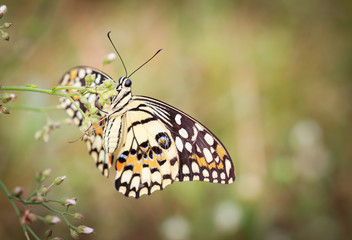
{"points": [[84, 229], [3, 10], [70, 201]]}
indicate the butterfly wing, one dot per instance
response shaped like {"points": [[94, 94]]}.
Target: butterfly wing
{"points": [[147, 160], [163, 145], [76, 77]]}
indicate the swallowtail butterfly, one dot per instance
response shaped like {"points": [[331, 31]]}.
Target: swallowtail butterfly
{"points": [[149, 143]]}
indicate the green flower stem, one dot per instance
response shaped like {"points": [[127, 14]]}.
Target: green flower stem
{"points": [[33, 109], [62, 214], [40, 218], [27, 202], [24, 226], [56, 201], [52, 92], [32, 232], [68, 87]]}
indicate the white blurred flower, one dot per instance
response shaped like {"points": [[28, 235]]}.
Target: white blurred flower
{"points": [[228, 216], [70, 201], [311, 158], [175, 228], [109, 58], [305, 133], [55, 220], [3, 9], [52, 219], [249, 186], [84, 229]]}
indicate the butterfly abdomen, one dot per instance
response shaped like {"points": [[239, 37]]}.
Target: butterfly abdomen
{"points": [[112, 134]]}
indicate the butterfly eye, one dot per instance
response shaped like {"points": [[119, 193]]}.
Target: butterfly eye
{"points": [[128, 83]]}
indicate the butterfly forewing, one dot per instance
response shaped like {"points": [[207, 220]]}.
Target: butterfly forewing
{"points": [[76, 77]]}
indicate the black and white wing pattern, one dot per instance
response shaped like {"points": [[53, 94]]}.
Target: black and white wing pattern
{"points": [[164, 145], [76, 77]]}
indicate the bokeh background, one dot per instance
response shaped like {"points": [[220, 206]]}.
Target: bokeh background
{"points": [[272, 79]]}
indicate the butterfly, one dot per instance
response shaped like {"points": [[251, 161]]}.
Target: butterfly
{"points": [[149, 143]]}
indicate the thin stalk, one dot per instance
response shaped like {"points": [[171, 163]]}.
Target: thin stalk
{"points": [[32, 232], [33, 109], [59, 213], [51, 92], [24, 226]]}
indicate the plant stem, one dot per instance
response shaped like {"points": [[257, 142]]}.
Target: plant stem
{"points": [[9, 196], [51, 92], [33, 109], [33, 234], [59, 213]]}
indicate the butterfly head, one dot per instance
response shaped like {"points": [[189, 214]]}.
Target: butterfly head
{"points": [[123, 93], [124, 82]]}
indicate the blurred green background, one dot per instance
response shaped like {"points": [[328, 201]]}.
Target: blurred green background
{"points": [[272, 79]]}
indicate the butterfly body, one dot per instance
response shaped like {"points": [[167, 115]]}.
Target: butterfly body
{"points": [[149, 143]]}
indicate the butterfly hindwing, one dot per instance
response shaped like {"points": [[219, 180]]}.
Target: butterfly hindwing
{"points": [[76, 77], [147, 160]]}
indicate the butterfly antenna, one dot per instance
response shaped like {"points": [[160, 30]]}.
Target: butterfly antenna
{"points": [[145, 63], [117, 53]]}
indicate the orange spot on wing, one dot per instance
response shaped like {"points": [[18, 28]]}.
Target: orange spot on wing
{"points": [[119, 166], [153, 163], [220, 151], [73, 74], [201, 160], [220, 165], [137, 168], [98, 130], [203, 163], [212, 165], [131, 159], [74, 97]]}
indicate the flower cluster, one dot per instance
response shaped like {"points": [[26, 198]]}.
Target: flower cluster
{"points": [[105, 91], [6, 25], [40, 197], [5, 98]]}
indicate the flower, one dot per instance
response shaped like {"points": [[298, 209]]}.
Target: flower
{"points": [[228, 216], [3, 10], [5, 36], [70, 201], [4, 110], [52, 219], [109, 58], [74, 234], [59, 180], [47, 172], [78, 216], [7, 25], [27, 217], [48, 233], [84, 229], [18, 191], [176, 228]]}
